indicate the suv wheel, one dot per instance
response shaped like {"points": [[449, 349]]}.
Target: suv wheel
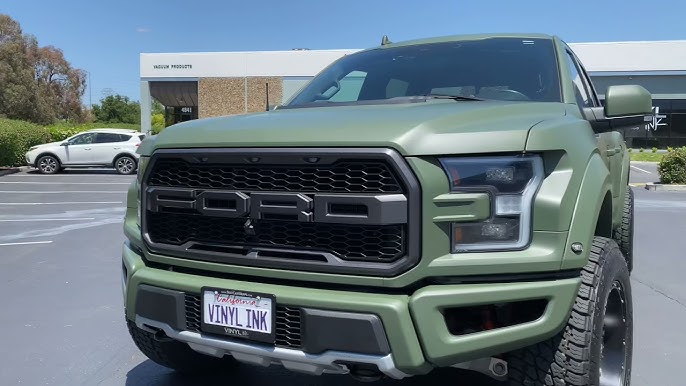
{"points": [[174, 354], [595, 347], [125, 165], [624, 235], [48, 164]]}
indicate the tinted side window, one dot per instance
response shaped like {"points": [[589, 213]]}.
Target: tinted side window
{"points": [[108, 138], [142, 137], [124, 137], [396, 88], [83, 139], [583, 98]]}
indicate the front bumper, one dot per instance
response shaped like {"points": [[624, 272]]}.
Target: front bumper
{"points": [[414, 324], [328, 362]]}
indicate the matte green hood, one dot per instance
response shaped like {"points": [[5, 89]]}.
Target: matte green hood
{"points": [[423, 128]]}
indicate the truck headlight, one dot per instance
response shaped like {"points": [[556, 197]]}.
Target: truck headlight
{"points": [[511, 183]]}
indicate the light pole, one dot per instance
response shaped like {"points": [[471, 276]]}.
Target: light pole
{"points": [[90, 92]]}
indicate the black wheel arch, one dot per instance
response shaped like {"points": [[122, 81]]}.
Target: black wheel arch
{"points": [[603, 226]]}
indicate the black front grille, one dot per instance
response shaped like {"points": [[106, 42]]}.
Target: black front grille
{"points": [[346, 211], [288, 322], [341, 177], [348, 241]]}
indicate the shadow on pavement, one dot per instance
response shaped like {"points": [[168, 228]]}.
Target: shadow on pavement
{"points": [[148, 373], [79, 171]]}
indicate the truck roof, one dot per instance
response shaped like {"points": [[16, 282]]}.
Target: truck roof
{"points": [[452, 38]]}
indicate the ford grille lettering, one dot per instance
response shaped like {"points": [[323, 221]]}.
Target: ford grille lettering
{"points": [[379, 209]]}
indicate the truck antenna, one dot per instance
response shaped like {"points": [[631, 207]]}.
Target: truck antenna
{"points": [[385, 41]]}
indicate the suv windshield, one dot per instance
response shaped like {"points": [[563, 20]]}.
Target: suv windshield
{"points": [[513, 69]]}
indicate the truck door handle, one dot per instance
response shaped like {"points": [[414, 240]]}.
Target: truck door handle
{"points": [[117, 148], [86, 148]]}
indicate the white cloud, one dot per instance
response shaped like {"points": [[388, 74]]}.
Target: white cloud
{"points": [[142, 30]]}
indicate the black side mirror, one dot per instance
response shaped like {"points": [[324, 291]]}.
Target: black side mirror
{"points": [[64, 144]]}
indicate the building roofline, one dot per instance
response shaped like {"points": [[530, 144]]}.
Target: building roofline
{"points": [[631, 42], [445, 38], [249, 52]]}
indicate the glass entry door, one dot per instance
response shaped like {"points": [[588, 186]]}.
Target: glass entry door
{"points": [[175, 115]]}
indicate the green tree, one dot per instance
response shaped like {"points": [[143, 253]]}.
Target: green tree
{"points": [[17, 87], [37, 84], [157, 120], [117, 109], [157, 107]]}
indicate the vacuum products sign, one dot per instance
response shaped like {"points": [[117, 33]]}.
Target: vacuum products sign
{"points": [[172, 66]]}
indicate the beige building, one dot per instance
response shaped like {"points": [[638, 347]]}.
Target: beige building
{"points": [[201, 85]]}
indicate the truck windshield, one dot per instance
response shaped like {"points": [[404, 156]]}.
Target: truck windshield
{"points": [[512, 69]]}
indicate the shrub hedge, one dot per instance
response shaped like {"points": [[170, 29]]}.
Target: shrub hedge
{"points": [[672, 168], [16, 137]]}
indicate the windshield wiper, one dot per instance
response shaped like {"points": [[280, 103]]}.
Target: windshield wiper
{"points": [[453, 97]]}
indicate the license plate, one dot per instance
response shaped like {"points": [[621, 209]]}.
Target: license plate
{"points": [[239, 314]]}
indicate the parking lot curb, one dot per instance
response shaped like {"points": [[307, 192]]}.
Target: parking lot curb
{"points": [[4, 172], [665, 187], [12, 170]]}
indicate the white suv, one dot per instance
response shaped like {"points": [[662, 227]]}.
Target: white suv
{"points": [[99, 147]]}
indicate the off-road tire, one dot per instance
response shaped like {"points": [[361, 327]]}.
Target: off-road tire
{"points": [[48, 164], [173, 354], [624, 235], [576, 355], [125, 164]]}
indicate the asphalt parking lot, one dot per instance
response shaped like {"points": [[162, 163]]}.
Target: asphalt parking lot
{"points": [[62, 314]]}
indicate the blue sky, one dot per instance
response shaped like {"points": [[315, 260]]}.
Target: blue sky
{"points": [[106, 37]]}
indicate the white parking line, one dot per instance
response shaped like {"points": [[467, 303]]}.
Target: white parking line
{"points": [[641, 170], [61, 203], [65, 183], [50, 219], [26, 243], [63, 191]]}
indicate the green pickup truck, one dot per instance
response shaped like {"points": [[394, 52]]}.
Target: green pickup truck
{"points": [[451, 202]]}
